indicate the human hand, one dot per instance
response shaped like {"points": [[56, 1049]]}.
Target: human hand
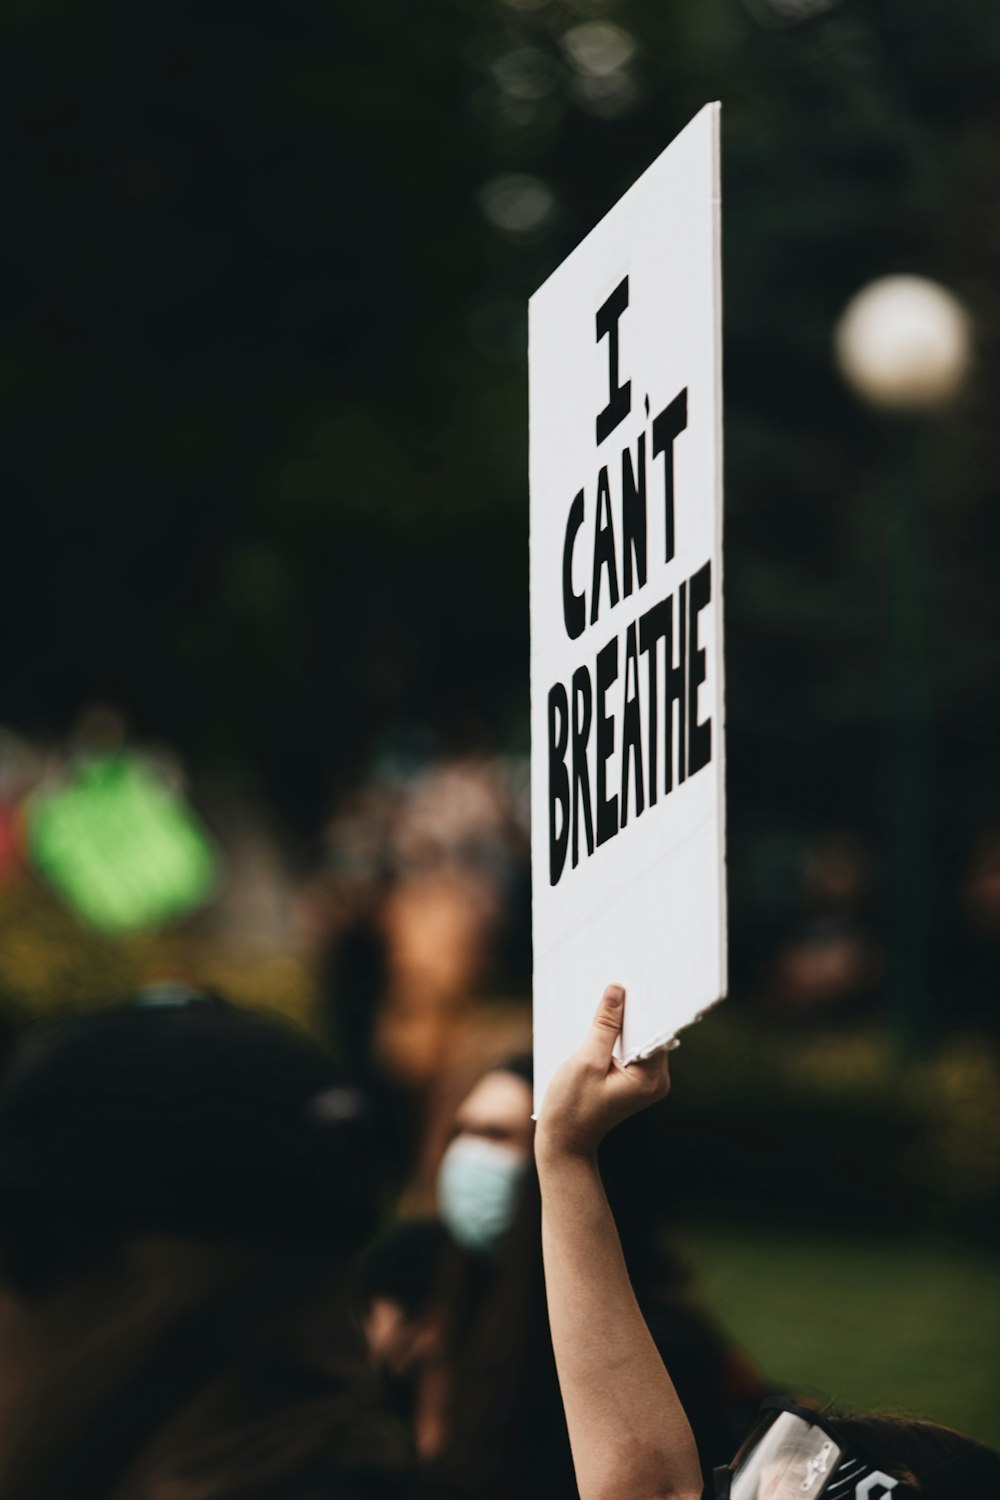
{"points": [[592, 1092]]}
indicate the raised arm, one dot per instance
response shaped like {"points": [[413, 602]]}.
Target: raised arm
{"points": [[629, 1434]]}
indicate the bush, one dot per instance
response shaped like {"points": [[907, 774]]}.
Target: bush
{"points": [[832, 1130]]}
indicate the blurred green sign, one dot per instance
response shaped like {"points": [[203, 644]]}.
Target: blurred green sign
{"points": [[119, 846]]}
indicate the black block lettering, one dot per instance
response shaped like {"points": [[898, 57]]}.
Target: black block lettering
{"points": [[604, 547], [607, 807], [634, 517], [654, 626], [699, 735], [668, 425], [574, 605], [581, 774], [631, 728], [676, 693], [558, 781], [619, 396]]}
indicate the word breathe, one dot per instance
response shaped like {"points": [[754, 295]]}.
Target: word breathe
{"points": [[652, 759]]}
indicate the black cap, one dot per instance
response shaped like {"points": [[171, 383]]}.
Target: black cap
{"points": [[197, 1118]]}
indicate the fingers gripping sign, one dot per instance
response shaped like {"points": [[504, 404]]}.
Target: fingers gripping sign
{"points": [[593, 1092]]}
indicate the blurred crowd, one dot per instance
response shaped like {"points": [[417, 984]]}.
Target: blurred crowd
{"points": [[230, 1265], [239, 1257], [408, 911], [208, 1286]]}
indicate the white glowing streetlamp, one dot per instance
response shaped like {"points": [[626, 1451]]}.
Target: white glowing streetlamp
{"points": [[904, 344]]}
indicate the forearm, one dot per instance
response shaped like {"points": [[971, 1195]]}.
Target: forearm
{"points": [[630, 1437]]}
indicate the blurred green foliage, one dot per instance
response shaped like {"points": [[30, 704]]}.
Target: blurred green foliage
{"points": [[52, 962], [805, 1129]]}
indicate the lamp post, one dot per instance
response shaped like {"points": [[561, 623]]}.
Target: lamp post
{"points": [[904, 345]]}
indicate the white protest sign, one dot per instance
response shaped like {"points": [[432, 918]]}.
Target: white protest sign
{"points": [[627, 777]]}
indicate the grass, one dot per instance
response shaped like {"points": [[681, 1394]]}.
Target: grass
{"points": [[872, 1324]]}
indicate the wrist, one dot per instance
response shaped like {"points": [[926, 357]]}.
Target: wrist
{"points": [[554, 1152]]}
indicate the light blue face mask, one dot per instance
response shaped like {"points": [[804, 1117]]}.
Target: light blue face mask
{"points": [[477, 1190]]}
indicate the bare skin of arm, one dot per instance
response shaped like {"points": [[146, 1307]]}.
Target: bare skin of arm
{"points": [[630, 1437]]}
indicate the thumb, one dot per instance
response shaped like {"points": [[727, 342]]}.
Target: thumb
{"points": [[607, 1025]]}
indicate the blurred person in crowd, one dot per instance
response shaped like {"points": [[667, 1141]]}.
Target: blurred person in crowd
{"points": [[353, 981], [500, 1423], [629, 1425], [488, 1157], [402, 1279], [428, 1282], [183, 1191], [421, 920]]}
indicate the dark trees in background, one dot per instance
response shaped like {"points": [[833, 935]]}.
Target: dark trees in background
{"points": [[263, 356]]}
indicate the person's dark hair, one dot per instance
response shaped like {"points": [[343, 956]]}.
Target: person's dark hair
{"points": [[508, 1434], [226, 1145], [201, 1119], [520, 1064], [405, 1265], [937, 1461]]}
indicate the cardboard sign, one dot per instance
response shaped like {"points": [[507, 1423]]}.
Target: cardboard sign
{"points": [[627, 780]]}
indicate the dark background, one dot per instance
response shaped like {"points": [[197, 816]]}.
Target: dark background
{"points": [[263, 358], [264, 411], [264, 367]]}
